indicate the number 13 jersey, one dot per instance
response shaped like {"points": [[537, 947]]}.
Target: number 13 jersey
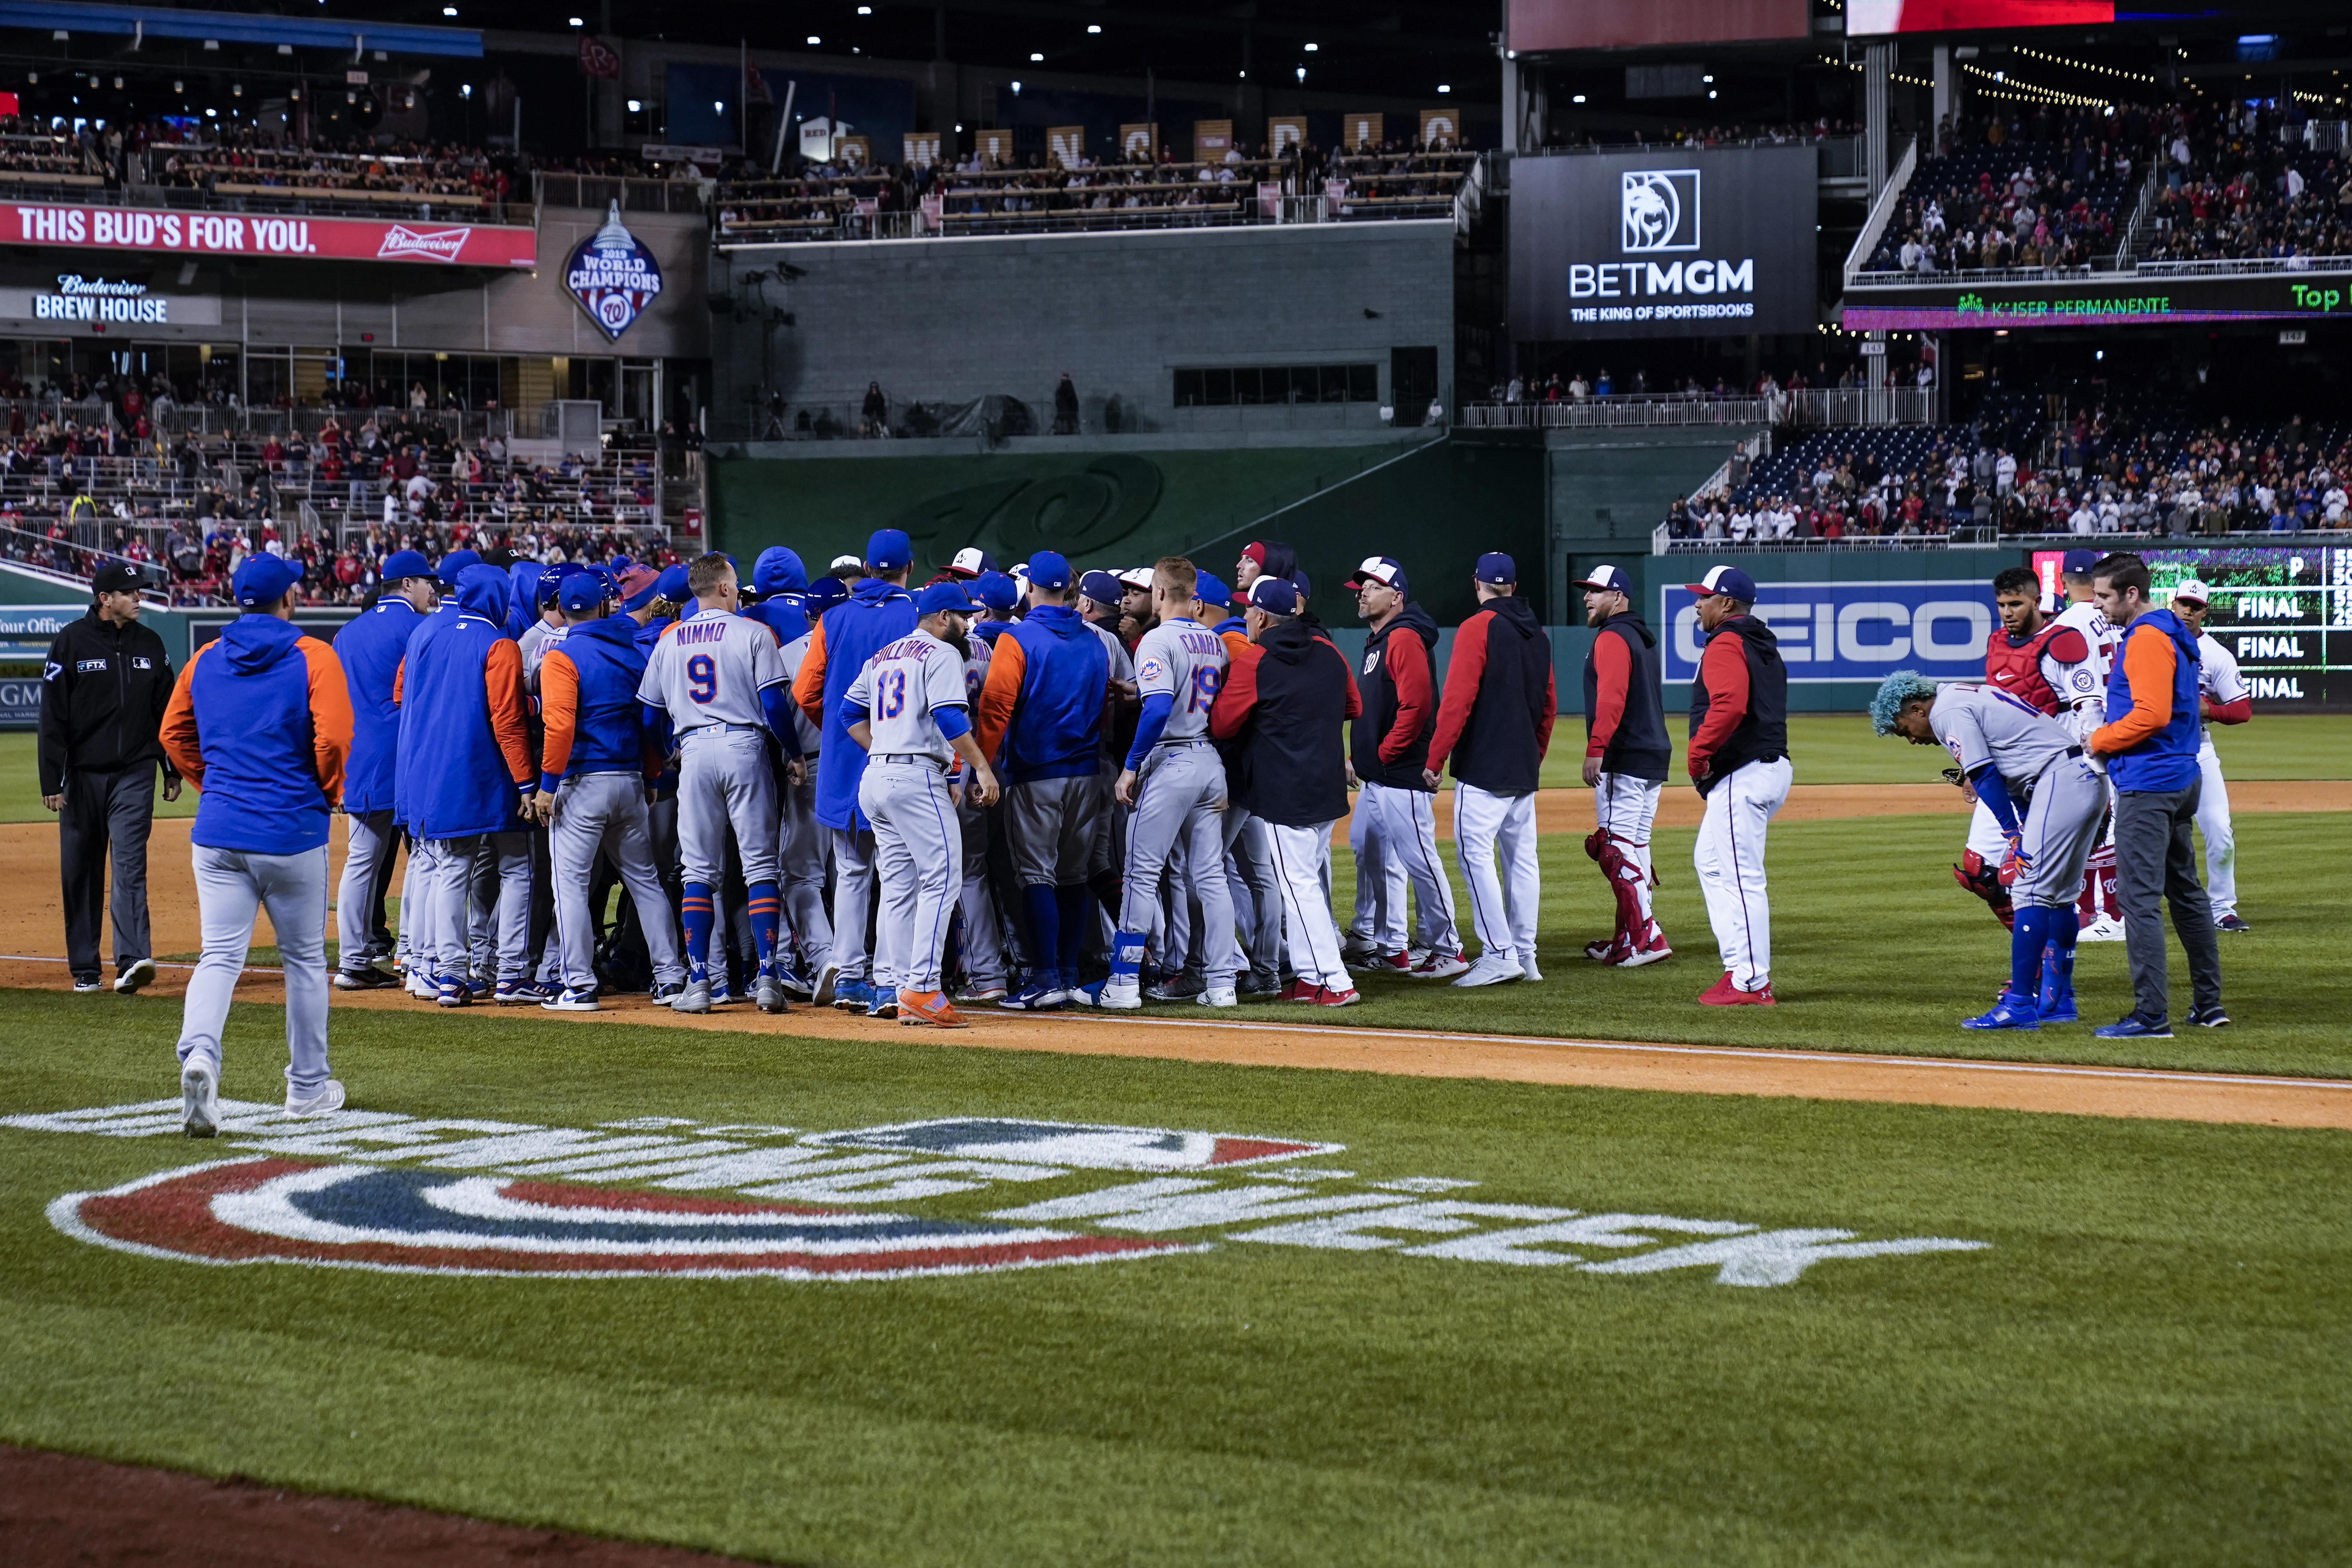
{"points": [[709, 668]]}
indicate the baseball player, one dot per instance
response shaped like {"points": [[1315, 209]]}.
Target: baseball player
{"points": [[801, 855], [420, 976], [1394, 830], [1284, 701], [909, 711], [370, 647], [2222, 691], [1175, 782], [2028, 770], [1249, 852], [1496, 724], [596, 771], [2049, 663], [718, 680], [2101, 906], [1043, 703], [260, 722], [1625, 756], [466, 769], [1738, 759], [987, 861], [878, 613]]}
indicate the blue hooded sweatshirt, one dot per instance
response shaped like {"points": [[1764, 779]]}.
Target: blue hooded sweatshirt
{"points": [[370, 647], [877, 614], [465, 760], [261, 723], [588, 698], [782, 585]]}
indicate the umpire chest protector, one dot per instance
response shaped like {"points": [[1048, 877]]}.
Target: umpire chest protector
{"points": [[1762, 732], [1376, 683], [1639, 748]]}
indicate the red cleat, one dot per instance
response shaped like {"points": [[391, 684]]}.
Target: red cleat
{"points": [[1608, 950], [1300, 990], [1326, 997], [1724, 993], [1633, 956]]}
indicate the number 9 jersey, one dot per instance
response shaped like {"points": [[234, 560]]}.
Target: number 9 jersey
{"points": [[709, 668]]}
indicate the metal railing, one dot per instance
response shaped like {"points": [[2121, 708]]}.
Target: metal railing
{"points": [[1805, 407], [599, 191], [1882, 211], [2242, 266], [2127, 253], [1897, 278], [1962, 536]]}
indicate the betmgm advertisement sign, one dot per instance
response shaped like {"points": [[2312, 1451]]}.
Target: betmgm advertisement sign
{"points": [[1669, 244]]}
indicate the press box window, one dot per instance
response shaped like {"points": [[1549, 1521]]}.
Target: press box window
{"points": [[1278, 383]]}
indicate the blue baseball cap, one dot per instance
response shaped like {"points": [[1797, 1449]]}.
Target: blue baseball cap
{"points": [[1607, 580], [1303, 584], [824, 594], [1050, 571], [671, 586], [889, 549], [940, 596], [1497, 568], [403, 563], [454, 563], [1382, 571], [2078, 562], [1102, 587], [1728, 581], [264, 579], [1211, 590], [544, 591], [996, 590], [580, 592], [1275, 596]]}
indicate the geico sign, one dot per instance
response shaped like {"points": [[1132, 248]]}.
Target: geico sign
{"points": [[1855, 631], [1641, 279]]}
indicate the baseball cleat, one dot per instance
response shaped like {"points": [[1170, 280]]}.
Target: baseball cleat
{"points": [[1041, 995], [885, 1004], [2132, 1026], [695, 998], [2107, 928], [1724, 993], [1599, 952], [1300, 990], [796, 987], [828, 977], [1259, 986], [1111, 993], [2057, 1005], [1326, 997], [1527, 971], [200, 1098], [1217, 996], [569, 1001], [86, 984], [137, 973], [453, 992], [770, 995], [930, 1007], [666, 993], [2209, 1017], [515, 993], [1441, 966], [1492, 969], [1359, 952], [2229, 921], [1649, 952], [358, 980], [2012, 1012], [852, 995], [722, 996], [1392, 964], [421, 985], [1182, 987], [324, 1100], [973, 996]]}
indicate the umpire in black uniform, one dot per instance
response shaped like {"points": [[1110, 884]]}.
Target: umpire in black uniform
{"points": [[103, 700]]}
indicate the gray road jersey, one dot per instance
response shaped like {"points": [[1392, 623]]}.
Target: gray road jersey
{"points": [[709, 668], [1979, 724], [1186, 660]]}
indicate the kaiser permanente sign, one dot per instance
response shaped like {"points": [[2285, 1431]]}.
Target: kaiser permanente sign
{"points": [[155, 230], [2102, 300]]}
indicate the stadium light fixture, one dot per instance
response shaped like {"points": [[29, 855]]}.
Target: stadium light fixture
{"points": [[449, 10], [577, 21], [719, 105], [1312, 48], [466, 89], [1094, 27], [1577, 98], [1709, 79], [636, 105], [1016, 90], [1035, 58], [1444, 87], [865, 10], [1302, 73], [814, 40]]}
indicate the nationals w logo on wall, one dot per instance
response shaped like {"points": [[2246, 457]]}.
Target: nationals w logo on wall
{"points": [[614, 276]]}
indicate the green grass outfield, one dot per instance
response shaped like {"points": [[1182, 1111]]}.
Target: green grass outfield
{"points": [[2143, 1365], [1830, 748]]}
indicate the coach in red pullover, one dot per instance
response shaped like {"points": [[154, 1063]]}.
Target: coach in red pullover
{"points": [[1496, 724]]}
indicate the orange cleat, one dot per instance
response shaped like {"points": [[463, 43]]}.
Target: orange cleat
{"points": [[930, 1007]]}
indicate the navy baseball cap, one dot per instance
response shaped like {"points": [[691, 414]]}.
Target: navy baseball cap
{"points": [[2078, 562], [1102, 587], [403, 563], [1497, 568], [995, 590], [1381, 570], [1052, 572], [1303, 585], [580, 592], [943, 596], [264, 579], [889, 549], [671, 586], [1211, 590], [456, 562], [1275, 596], [1607, 580], [1728, 581], [824, 594]]}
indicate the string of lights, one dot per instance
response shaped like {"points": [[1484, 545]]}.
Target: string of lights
{"points": [[2085, 66], [2038, 94]]}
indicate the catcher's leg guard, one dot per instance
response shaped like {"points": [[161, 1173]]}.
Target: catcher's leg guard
{"points": [[1983, 880], [1624, 874]]}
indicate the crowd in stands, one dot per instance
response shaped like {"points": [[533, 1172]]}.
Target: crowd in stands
{"points": [[2104, 473], [404, 172], [1781, 134], [2237, 188], [1848, 373]]}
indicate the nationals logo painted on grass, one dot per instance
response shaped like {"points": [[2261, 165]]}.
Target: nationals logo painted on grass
{"points": [[272, 1210]]}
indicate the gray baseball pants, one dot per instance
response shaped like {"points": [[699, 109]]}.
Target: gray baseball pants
{"points": [[1394, 835], [1058, 838], [1255, 894], [606, 812], [852, 899], [919, 857], [2156, 858], [451, 879], [801, 858], [1179, 798], [372, 843], [231, 884], [983, 928], [724, 778]]}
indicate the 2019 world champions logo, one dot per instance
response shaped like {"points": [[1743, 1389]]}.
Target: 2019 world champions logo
{"points": [[613, 276]]}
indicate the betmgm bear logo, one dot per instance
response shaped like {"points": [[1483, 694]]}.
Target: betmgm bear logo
{"points": [[1658, 211]]}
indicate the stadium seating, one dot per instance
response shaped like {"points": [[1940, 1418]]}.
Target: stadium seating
{"points": [[2079, 217]]}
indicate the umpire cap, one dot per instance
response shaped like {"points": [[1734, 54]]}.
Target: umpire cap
{"points": [[117, 577]]}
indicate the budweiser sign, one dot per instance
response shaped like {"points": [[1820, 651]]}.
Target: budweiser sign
{"points": [[441, 244], [157, 231]]}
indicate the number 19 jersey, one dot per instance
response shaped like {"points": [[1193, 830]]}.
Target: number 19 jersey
{"points": [[1186, 660], [709, 668]]}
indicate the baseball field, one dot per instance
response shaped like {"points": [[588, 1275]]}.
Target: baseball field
{"points": [[1250, 1289]]}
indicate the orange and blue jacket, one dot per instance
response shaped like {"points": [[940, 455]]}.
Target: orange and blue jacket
{"points": [[260, 722]]}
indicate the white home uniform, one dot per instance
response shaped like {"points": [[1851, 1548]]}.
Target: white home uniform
{"points": [[708, 671], [1179, 799], [1729, 859], [805, 848], [917, 848], [2035, 755], [2219, 680], [2102, 916]]}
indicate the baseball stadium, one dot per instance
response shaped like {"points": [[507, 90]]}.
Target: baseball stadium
{"points": [[974, 782]]}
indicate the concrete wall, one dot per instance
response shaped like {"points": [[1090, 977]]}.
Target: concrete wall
{"points": [[950, 321]]}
